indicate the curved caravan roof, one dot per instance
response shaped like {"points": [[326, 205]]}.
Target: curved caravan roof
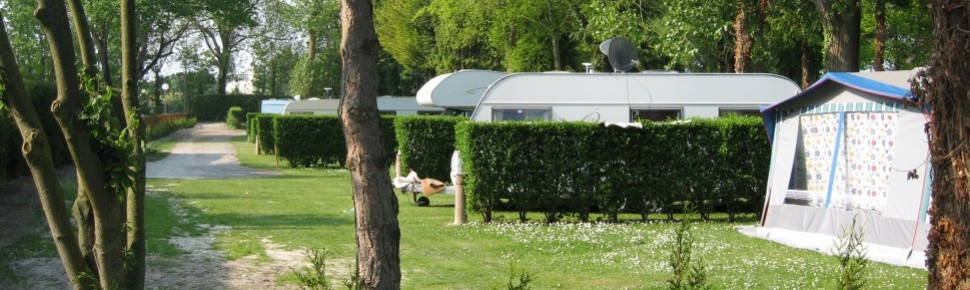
{"points": [[459, 90], [615, 93], [397, 105]]}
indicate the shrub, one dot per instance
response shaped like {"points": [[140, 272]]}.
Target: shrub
{"points": [[209, 108], [264, 133], [563, 168], [158, 126], [307, 141], [426, 144], [251, 127], [234, 118], [315, 140]]}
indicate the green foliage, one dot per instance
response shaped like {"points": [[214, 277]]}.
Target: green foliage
{"points": [[234, 119], [851, 254], [114, 145], [209, 108], [426, 144], [314, 277], [308, 141], [251, 126], [518, 280], [689, 272], [562, 168], [159, 126], [317, 140], [264, 133]]}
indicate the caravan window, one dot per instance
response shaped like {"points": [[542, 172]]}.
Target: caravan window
{"points": [[655, 114], [520, 114], [738, 112]]}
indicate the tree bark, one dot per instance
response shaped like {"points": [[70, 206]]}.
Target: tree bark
{"points": [[742, 38], [135, 206], [880, 41], [37, 153], [944, 88], [842, 27], [108, 243], [806, 72], [85, 42], [102, 43], [378, 234]]}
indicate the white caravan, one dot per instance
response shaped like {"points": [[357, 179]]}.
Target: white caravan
{"points": [[626, 97], [273, 106], [387, 106], [458, 91]]}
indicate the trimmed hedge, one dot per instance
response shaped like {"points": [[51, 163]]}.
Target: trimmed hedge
{"points": [[208, 108], [251, 126], [158, 126], [316, 140], [235, 118], [561, 168], [426, 144], [264, 133]]}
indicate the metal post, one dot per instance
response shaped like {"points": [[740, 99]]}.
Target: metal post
{"points": [[460, 217]]}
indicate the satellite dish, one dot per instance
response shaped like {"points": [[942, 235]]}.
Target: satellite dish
{"points": [[621, 53]]}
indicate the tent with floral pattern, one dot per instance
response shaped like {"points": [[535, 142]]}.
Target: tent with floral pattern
{"points": [[851, 146]]}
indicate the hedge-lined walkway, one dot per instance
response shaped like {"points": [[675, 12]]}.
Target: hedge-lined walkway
{"points": [[204, 152]]}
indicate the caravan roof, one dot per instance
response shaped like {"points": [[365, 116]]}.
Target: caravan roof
{"points": [[610, 97], [459, 90]]}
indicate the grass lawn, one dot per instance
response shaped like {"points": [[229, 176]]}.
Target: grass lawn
{"points": [[312, 208]]}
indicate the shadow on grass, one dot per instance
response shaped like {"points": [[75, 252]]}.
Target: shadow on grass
{"points": [[251, 221]]}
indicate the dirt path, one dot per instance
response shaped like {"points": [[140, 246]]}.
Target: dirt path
{"points": [[203, 152]]}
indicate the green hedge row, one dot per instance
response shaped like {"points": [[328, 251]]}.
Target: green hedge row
{"points": [[264, 132], [251, 126], [426, 144], [158, 126], [318, 140], [561, 168], [235, 118], [208, 108]]}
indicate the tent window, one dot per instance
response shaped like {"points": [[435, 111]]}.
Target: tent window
{"points": [[843, 161], [655, 115], [520, 114], [388, 113]]}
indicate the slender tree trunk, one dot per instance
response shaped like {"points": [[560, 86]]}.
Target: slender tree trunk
{"points": [[842, 33], [742, 38], [880, 41], [378, 234], [82, 211], [102, 43], [129, 99], [108, 243], [556, 54], [84, 40], [945, 89], [37, 153], [806, 71]]}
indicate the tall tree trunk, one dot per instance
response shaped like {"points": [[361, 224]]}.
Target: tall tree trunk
{"points": [[378, 234], [108, 243], [841, 25], [102, 43], [880, 41], [556, 54], [806, 71], [945, 89], [85, 43], [742, 38], [82, 211], [135, 206], [37, 153]]}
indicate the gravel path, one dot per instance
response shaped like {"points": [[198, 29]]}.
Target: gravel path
{"points": [[204, 152]]}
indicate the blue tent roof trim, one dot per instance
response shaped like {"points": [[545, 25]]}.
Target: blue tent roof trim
{"points": [[849, 80]]}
